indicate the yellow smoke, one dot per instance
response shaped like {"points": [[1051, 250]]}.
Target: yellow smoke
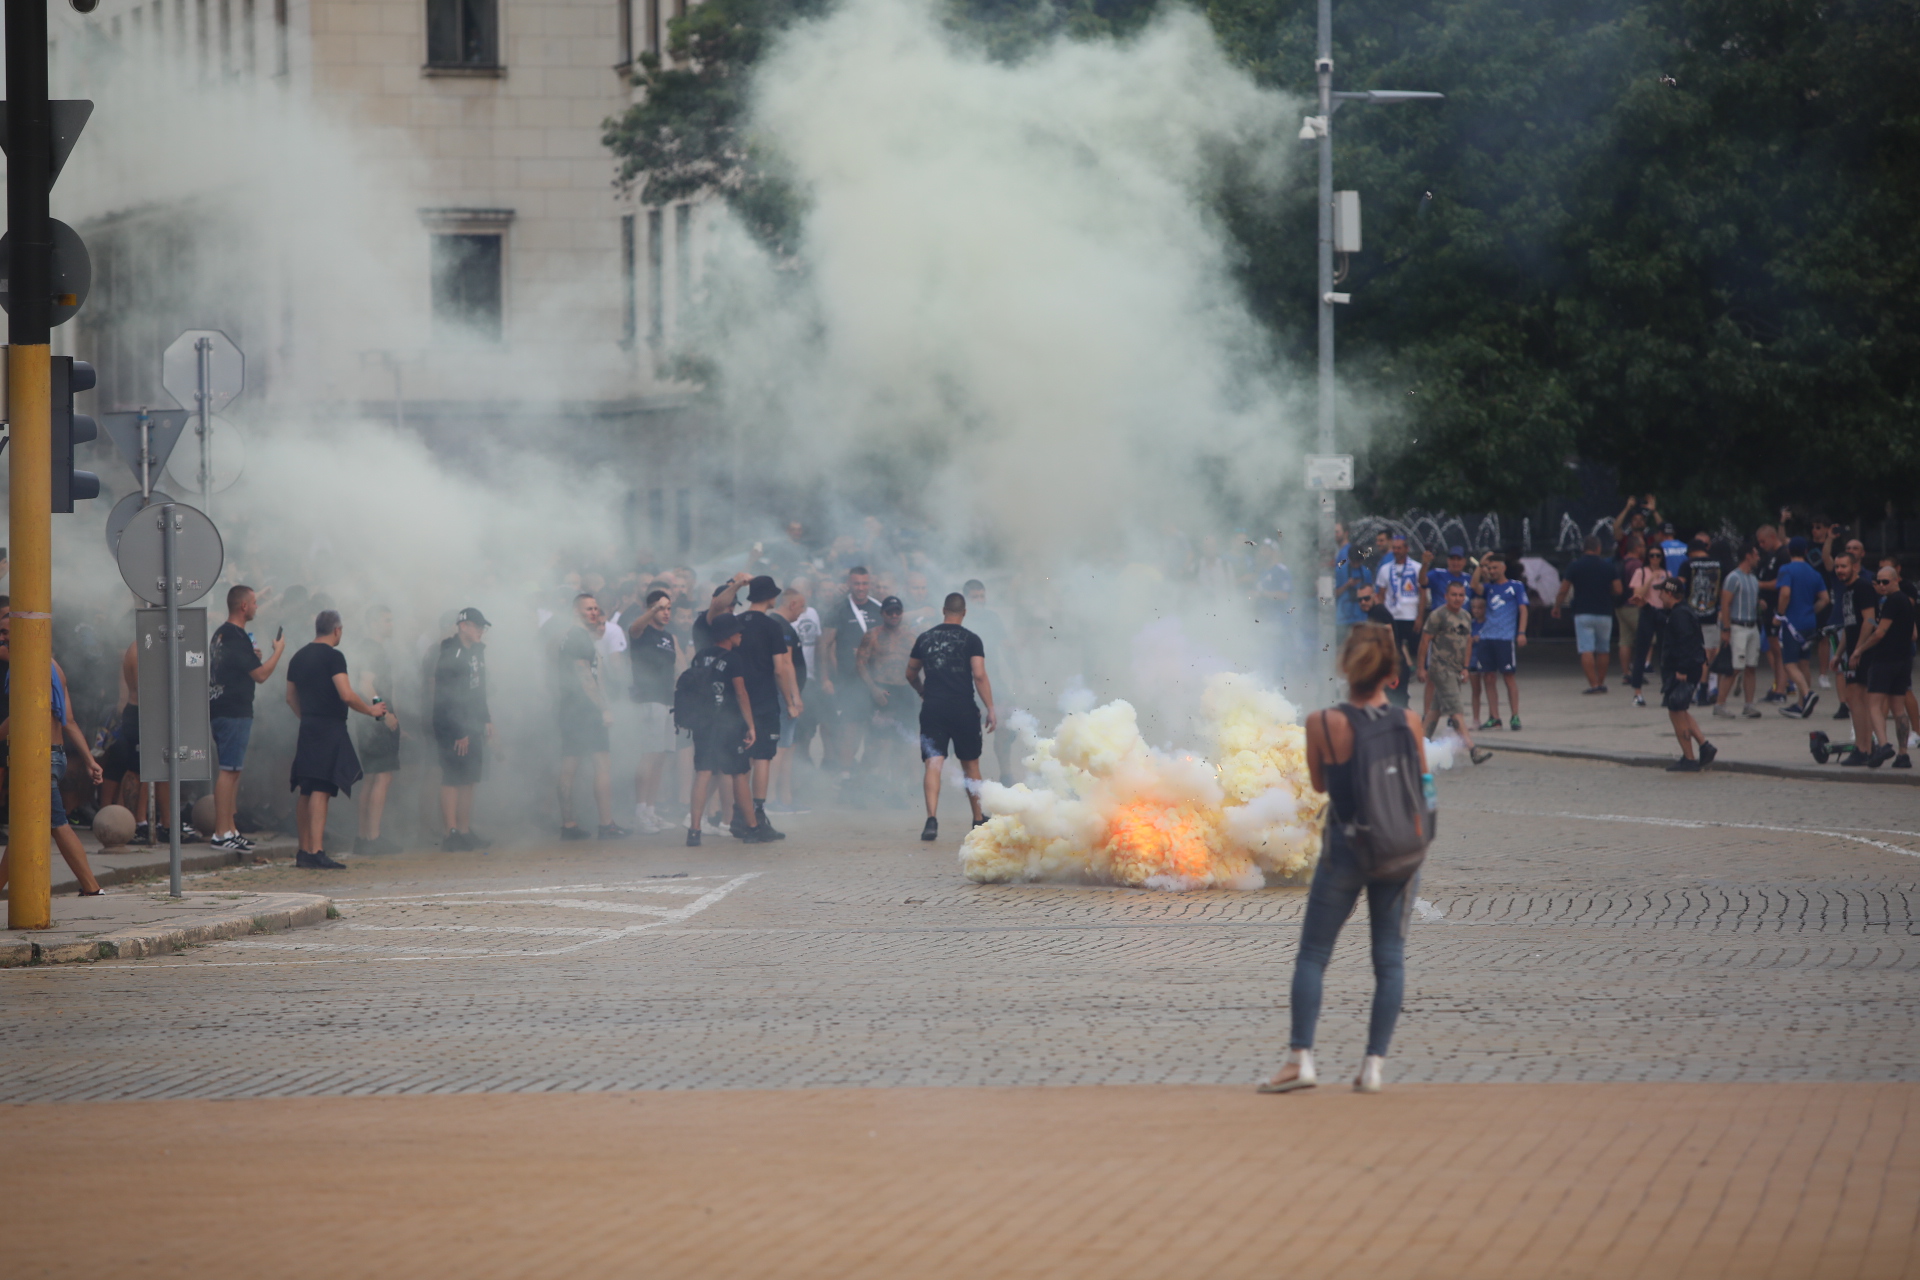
{"points": [[1101, 806]]}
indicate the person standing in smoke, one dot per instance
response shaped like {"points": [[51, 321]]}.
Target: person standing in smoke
{"points": [[655, 657], [379, 742], [462, 725], [802, 632], [947, 664], [324, 761], [849, 708], [585, 718], [882, 662], [765, 660], [233, 673], [996, 635], [723, 730]]}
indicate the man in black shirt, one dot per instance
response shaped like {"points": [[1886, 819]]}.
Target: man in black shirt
{"points": [[324, 762], [654, 654], [232, 674], [379, 740], [1887, 653], [1701, 578], [843, 626], [585, 717], [765, 660], [1683, 661], [1854, 608], [462, 725], [723, 730], [947, 664]]}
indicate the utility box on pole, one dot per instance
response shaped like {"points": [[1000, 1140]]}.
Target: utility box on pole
{"points": [[1346, 222]]}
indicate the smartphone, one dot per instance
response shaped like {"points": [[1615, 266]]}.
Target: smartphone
{"points": [[278, 632]]}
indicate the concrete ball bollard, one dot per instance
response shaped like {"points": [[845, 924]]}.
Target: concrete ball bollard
{"points": [[113, 826], [201, 815]]}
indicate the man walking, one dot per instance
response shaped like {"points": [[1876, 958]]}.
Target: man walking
{"points": [[324, 761], [1683, 664], [232, 675], [882, 661], [1445, 641], [1740, 625], [947, 664], [765, 660], [462, 725], [1803, 595], [1503, 632], [1593, 582], [585, 718]]}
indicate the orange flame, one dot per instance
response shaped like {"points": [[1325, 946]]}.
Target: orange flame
{"points": [[1146, 838]]}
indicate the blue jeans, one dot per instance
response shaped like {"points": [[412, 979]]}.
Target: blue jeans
{"points": [[1337, 883]]}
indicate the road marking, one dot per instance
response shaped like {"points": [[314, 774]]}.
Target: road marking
{"points": [[1700, 824]]}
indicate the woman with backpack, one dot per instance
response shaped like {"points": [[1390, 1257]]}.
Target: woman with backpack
{"points": [[1371, 761]]}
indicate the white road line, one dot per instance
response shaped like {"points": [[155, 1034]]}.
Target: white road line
{"points": [[1701, 824]]}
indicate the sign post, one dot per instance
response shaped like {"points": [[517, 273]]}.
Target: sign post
{"points": [[203, 370]]}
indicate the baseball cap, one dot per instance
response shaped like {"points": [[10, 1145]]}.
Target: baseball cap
{"points": [[472, 615], [1796, 546], [1456, 551], [762, 588], [1671, 585], [723, 626], [892, 605]]}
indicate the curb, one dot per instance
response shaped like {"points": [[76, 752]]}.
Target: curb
{"points": [[137, 943], [207, 859], [1647, 760]]}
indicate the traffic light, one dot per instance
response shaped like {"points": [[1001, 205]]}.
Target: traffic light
{"points": [[71, 429]]}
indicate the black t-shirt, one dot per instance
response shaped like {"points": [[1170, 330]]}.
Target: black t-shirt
{"points": [[1380, 615], [311, 674], [716, 668], [790, 634], [1771, 562], [576, 646], [230, 674], [946, 654], [1700, 582], [1855, 602], [761, 642], [652, 652], [460, 690], [848, 633], [1896, 647], [1593, 580]]}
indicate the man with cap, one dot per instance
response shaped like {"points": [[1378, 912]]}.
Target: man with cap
{"points": [[1683, 664], [462, 725], [765, 660], [723, 729], [882, 663]]}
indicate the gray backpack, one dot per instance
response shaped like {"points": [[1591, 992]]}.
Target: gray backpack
{"points": [[1391, 825]]}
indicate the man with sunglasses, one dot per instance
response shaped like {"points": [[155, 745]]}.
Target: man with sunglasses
{"points": [[1885, 653]]}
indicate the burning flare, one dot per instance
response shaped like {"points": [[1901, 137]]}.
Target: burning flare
{"points": [[1102, 806]]}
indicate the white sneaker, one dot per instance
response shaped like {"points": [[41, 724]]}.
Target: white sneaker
{"points": [[1826, 682], [1368, 1081], [645, 820], [1304, 1076]]}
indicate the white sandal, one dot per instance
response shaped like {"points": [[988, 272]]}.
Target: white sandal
{"points": [[1304, 1076], [1368, 1081]]}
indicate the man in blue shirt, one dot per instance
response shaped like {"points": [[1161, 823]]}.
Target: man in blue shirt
{"points": [[1348, 574], [1593, 583], [1502, 605], [1803, 594], [1672, 550]]}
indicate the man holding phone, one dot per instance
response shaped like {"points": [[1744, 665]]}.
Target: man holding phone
{"points": [[236, 668]]}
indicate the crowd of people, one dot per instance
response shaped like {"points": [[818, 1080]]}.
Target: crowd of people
{"points": [[1711, 614]]}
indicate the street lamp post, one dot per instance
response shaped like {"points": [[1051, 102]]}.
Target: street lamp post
{"points": [[1320, 128]]}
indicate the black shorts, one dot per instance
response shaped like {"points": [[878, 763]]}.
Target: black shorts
{"points": [[315, 786], [379, 747], [719, 750], [462, 770], [766, 731], [955, 727], [1677, 694], [122, 755], [583, 733], [1890, 679], [899, 714]]}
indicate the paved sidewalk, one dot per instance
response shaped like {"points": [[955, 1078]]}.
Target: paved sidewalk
{"points": [[133, 863], [131, 924], [1561, 720], [1481, 1181]]}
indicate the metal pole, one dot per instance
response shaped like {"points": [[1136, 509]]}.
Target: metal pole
{"points": [[169, 525], [30, 481], [203, 353], [146, 453], [1323, 71]]}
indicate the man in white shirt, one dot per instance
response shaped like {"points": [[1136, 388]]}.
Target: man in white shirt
{"points": [[1397, 585]]}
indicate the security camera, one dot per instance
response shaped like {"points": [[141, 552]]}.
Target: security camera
{"points": [[1323, 66], [84, 6]]}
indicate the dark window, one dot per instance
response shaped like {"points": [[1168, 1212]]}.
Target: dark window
{"points": [[657, 518], [463, 33], [682, 265], [684, 531], [656, 287], [629, 274], [653, 26], [466, 286]]}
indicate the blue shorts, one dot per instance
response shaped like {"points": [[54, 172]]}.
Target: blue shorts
{"points": [[1591, 631], [1793, 646], [230, 737], [57, 811], [789, 728], [1492, 655]]}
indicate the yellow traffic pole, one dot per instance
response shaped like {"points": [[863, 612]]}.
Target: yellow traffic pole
{"points": [[30, 709]]}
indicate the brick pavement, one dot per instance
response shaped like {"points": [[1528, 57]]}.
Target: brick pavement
{"points": [[1594, 924], [1524, 1181]]}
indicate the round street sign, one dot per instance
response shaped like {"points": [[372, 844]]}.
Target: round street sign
{"points": [[72, 270], [125, 510], [228, 456], [198, 555], [180, 369]]}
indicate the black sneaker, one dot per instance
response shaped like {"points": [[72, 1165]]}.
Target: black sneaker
{"points": [[981, 822], [573, 832], [737, 826], [1881, 754], [1707, 754], [1773, 695], [456, 842], [1857, 760], [1903, 761], [932, 830], [1806, 708], [476, 841], [1793, 710], [142, 833], [760, 813], [762, 834], [362, 845], [693, 837], [234, 842], [1684, 765], [326, 863], [612, 831], [1844, 713], [305, 859]]}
